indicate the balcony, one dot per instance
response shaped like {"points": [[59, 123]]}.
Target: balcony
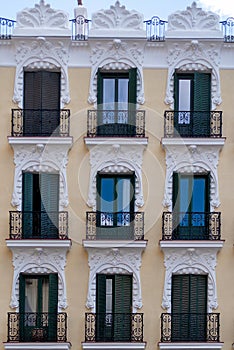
{"points": [[192, 124], [6, 28], [37, 327], [191, 226], [115, 226], [80, 28], [116, 123], [38, 225], [228, 30], [38, 122], [155, 29], [118, 327], [190, 327]]}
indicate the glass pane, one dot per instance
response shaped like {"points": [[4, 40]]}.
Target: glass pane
{"points": [[109, 94], [107, 195], [109, 295], [184, 101], [31, 291], [45, 294], [198, 202], [123, 93]]}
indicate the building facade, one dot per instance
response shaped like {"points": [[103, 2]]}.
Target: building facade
{"points": [[116, 160]]}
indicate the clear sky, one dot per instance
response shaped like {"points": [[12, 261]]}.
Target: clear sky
{"points": [[149, 8]]}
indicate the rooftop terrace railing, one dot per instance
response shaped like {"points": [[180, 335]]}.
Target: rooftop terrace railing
{"points": [[155, 29], [80, 28], [6, 28], [227, 27]]}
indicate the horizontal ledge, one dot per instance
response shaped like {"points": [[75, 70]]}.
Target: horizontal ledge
{"points": [[114, 244], [38, 243], [190, 346], [63, 140], [191, 244], [90, 141], [114, 346], [188, 141], [37, 346]]}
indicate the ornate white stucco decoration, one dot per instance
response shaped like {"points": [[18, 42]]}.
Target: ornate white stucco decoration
{"points": [[194, 18], [39, 261], [190, 57], [40, 157], [42, 16], [116, 158], [116, 56], [117, 17], [190, 261], [115, 261], [192, 159], [41, 53]]}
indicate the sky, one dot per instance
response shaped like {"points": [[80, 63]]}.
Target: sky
{"points": [[149, 8]]}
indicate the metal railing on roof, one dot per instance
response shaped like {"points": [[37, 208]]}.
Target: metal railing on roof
{"points": [[155, 29], [6, 28]]}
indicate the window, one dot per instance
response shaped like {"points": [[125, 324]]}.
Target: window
{"points": [[38, 300], [190, 206], [116, 97], [192, 103], [113, 307], [115, 205], [40, 205], [189, 307], [41, 103]]}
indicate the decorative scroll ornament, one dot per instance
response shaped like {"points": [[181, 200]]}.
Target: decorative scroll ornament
{"points": [[39, 261], [115, 261], [190, 261], [42, 16], [117, 17]]}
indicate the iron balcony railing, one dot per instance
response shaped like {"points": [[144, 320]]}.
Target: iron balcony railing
{"points": [[80, 28], [114, 327], [192, 124], [120, 123], [115, 226], [37, 327], [155, 29], [228, 30], [191, 226], [40, 122], [190, 327], [6, 28], [38, 225]]}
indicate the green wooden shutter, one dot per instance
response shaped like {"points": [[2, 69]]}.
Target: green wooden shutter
{"points": [[99, 89], [132, 100], [53, 307], [21, 307], [27, 205], [175, 192], [122, 307], [100, 307], [202, 102], [50, 103], [49, 187]]}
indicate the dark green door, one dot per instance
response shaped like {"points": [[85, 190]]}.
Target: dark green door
{"points": [[192, 104], [38, 300], [41, 103], [116, 97], [189, 307], [190, 206], [40, 205], [115, 206], [113, 307]]}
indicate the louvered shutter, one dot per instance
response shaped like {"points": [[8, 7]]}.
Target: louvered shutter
{"points": [[50, 103], [49, 188], [100, 307], [202, 102], [122, 307], [32, 103], [27, 205], [132, 100], [21, 307], [53, 307]]}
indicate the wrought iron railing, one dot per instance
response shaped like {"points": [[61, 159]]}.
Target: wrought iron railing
{"points": [[6, 28], [191, 226], [38, 225], [155, 29], [80, 28], [228, 30], [115, 226], [113, 327], [40, 122], [192, 124], [37, 327], [121, 123], [190, 327]]}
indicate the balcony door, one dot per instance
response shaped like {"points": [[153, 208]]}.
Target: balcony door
{"points": [[116, 97], [192, 104], [113, 307], [38, 300], [115, 206], [40, 205], [189, 308], [190, 206], [41, 103]]}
